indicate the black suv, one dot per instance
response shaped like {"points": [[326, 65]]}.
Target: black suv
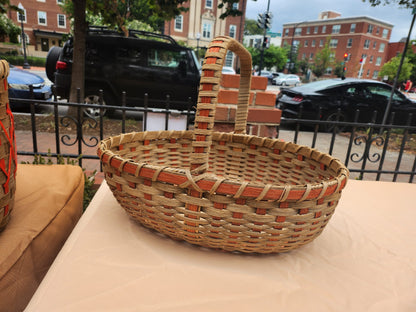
{"points": [[141, 63]]}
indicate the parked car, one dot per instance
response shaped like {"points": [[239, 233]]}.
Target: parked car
{"points": [[228, 70], [286, 80], [19, 81], [275, 75], [348, 95], [143, 62], [267, 74]]}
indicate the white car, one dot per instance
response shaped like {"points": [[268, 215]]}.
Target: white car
{"points": [[287, 80], [228, 70]]}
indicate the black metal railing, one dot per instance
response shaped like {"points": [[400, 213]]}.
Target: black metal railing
{"points": [[365, 148]]}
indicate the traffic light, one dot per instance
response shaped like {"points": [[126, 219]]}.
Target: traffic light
{"points": [[260, 21], [345, 57], [266, 42], [267, 20]]}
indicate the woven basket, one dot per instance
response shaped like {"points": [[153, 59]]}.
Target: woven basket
{"points": [[7, 150], [229, 191]]}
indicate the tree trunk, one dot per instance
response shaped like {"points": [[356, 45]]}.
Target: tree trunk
{"points": [[78, 58]]}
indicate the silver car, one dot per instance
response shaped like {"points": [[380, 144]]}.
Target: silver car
{"points": [[287, 80]]}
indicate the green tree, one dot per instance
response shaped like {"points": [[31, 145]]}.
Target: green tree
{"points": [[390, 69], [251, 28], [408, 4], [322, 60], [273, 57], [7, 27]]}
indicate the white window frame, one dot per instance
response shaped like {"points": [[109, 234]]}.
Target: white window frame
{"points": [[308, 30], [235, 5], [336, 29], [378, 61], [24, 16], [207, 30], [286, 32], [375, 74], [41, 0], [381, 47], [385, 33], [233, 31], [324, 29], [375, 44], [349, 42], [39, 17], [306, 43], [321, 42], [333, 43], [60, 1], [352, 28], [371, 58], [57, 20], [229, 59], [313, 43], [315, 29], [367, 44], [370, 29], [311, 56], [298, 31], [178, 19], [208, 4]]}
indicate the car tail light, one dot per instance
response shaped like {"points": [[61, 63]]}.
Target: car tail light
{"points": [[61, 65], [298, 98]]}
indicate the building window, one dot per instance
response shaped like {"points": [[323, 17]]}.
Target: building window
{"points": [[349, 43], [311, 56], [324, 29], [371, 58], [229, 58], [377, 30], [363, 56], [374, 44], [333, 43], [306, 43], [336, 29], [378, 61], [370, 28], [332, 55], [308, 30], [385, 33], [368, 73], [42, 18], [328, 71], [315, 30], [178, 23], [381, 47], [298, 31], [286, 32], [61, 21], [60, 1], [233, 30], [21, 17], [235, 6], [366, 44], [206, 31], [321, 43], [40, 0], [208, 4], [352, 29], [303, 56], [313, 43], [375, 74]]}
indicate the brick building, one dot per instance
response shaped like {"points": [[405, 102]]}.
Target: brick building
{"points": [[44, 24], [360, 37], [202, 23]]}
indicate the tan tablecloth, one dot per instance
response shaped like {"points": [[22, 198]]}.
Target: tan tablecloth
{"points": [[365, 260]]}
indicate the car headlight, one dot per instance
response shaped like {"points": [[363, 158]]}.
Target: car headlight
{"points": [[18, 86]]}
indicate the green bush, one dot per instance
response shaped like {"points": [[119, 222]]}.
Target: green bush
{"points": [[18, 60]]}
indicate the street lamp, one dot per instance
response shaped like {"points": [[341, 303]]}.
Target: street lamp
{"points": [[25, 63]]}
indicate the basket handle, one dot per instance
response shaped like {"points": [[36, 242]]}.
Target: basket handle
{"points": [[208, 98]]}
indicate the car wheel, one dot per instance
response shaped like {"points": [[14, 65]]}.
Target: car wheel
{"points": [[51, 59], [334, 116], [92, 97]]}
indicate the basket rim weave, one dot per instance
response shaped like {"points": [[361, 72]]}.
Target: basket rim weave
{"points": [[211, 183]]}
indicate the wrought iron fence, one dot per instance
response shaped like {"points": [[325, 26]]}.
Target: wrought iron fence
{"points": [[366, 148]]}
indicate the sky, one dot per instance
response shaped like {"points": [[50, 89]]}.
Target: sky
{"points": [[289, 11]]}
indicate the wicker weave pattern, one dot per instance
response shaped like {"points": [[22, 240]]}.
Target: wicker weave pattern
{"points": [[7, 150], [230, 191]]}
